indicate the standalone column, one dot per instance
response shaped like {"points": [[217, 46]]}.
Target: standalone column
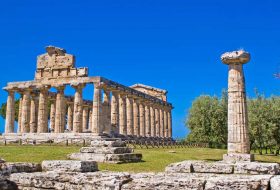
{"points": [[33, 113], [161, 123], [122, 114], [78, 108], [25, 112], [85, 118], [43, 110], [152, 116], [165, 123], [60, 110], [115, 112], [70, 116], [147, 120], [169, 118], [106, 112], [10, 113], [52, 116], [142, 120], [157, 123], [19, 130], [129, 115], [238, 135], [136, 118], [96, 111]]}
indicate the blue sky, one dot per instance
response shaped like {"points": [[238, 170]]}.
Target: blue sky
{"points": [[174, 45]]}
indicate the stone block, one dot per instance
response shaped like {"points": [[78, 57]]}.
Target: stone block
{"points": [[108, 143], [256, 168], [106, 150], [275, 183], [182, 167], [212, 167], [8, 168], [236, 157], [69, 166]]}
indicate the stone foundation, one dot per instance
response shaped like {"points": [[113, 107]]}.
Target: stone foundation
{"points": [[235, 157]]}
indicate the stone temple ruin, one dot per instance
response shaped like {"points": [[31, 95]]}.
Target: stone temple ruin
{"points": [[115, 111]]}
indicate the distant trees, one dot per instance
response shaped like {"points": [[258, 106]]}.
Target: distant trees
{"points": [[207, 121]]}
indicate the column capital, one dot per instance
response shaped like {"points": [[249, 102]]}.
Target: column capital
{"points": [[78, 86], [43, 87], [59, 87]]}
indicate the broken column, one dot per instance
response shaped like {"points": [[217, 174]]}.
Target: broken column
{"points": [[238, 134]]}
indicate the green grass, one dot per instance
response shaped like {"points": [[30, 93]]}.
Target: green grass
{"points": [[154, 160]]}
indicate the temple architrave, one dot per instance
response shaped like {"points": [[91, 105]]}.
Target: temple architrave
{"points": [[139, 110]]}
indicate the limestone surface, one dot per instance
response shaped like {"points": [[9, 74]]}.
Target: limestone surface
{"points": [[256, 168], [69, 166], [275, 183]]}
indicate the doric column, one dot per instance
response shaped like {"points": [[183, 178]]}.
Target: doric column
{"points": [[157, 122], [169, 118], [161, 123], [85, 118], [136, 131], [52, 116], [152, 118], [25, 112], [19, 129], [106, 112], [129, 115], [142, 119], [90, 118], [60, 110], [78, 108], [115, 112], [122, 114], [165, 122], [10, 112], [96, 111], [43, 110], [70, 111], [147, 120], [34, 113]]}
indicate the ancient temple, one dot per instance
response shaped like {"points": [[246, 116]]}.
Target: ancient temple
{"points": [[116, 109]]}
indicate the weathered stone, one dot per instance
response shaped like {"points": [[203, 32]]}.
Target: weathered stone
{"points": [[182, 167], [256, 168], [108, 143], [8, 168], [69, 166], [212, 167], [235, 157], [106, 150], [275, 183]]}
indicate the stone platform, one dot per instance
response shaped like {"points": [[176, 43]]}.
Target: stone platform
{"points": [[107, 150]]}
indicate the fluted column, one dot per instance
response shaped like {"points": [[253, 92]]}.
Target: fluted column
{"points": [[142, 119], [78, 108], [161, 123], [52, 116], [70, 111], [19, 129], [147, 120], [96, 111], [106, 112], [122, 114], [10, 113], [152, 119], [157, 122], [25, 112], [90, 118], [85, 118], [136, 131], [169, 118], [129, 115], [34, 113], [115, 112], [165, 122], [60, 110], [43, 110]]}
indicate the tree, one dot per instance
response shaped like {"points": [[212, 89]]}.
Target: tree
{"points": [[3, 110]]}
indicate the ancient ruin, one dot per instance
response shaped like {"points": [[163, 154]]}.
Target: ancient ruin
{"points": [[115, 111]]}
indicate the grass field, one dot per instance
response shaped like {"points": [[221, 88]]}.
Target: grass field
{"points": [[154, 160]]}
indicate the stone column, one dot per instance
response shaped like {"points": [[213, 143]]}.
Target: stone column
{"points": [[115, 112], [169, 121], [136, 118], [238, 134], [142, 119], [161, 123], [90, 119], [34, 113], [52, 116], [165, 123], [70, 111], [106, 109], [85, 118], [43, 110], [19, 130], [152, 118], [96, 111], [129, 115], [25, 112], [147, 120], [10, 112], [78, 108], [122, 114], [60, 110], [157, 123]]}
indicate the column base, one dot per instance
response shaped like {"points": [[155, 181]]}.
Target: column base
{"points": [[238, 157]]}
